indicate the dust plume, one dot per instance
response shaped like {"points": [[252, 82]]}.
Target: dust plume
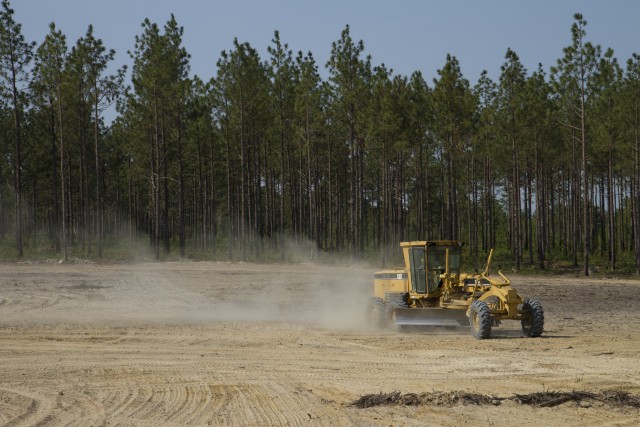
{"points": [[190, 292]]}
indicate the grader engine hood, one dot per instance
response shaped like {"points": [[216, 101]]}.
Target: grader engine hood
{"points": [[390, 282]]}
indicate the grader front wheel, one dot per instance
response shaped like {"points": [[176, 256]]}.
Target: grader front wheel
{"points": [[480, 320]]}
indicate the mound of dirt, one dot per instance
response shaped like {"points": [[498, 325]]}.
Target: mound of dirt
{"points": [[554, 398], [413, 399], [540, 400]]}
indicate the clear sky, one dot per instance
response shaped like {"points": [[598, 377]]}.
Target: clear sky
{"points": [[406, 35]]}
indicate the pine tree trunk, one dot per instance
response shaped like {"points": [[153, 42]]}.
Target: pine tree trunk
{"points": [[98, 207], [229, 197], [17, 160], [62, 183], [585, 183], [55, 200], [517, 241], [181, 197]]}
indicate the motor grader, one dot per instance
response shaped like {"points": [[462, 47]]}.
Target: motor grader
{"points": [[430, 290]]}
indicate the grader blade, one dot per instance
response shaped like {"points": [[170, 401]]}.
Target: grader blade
{"points": [[429, 317]]}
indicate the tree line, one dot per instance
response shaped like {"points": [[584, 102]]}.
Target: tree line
{"points": [[542, 165]]}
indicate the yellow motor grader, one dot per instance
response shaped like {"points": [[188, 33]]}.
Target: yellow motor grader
{"points": [[432, 291]]}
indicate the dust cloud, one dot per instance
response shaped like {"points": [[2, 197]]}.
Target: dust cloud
{"points": [[311, 294], [312, 289]]}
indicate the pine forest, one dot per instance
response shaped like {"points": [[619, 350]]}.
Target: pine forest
{"points": [[274, 157]]}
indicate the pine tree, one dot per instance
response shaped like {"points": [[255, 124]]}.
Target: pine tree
{"points": [[485, 92], [605, 125], [454, 106], [102, 91], [542, 149], [310, 126], [511, 100], [348, 76], [241, 92], [631, 118], [282, 73], [47, 86], [178, 91], [571, 78], [158, 104], [15, 56]]}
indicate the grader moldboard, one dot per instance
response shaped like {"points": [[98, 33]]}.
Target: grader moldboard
{"points": [[431, 291]]}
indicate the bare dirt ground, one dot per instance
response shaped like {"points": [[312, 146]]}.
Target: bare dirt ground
{"points": [[198, 343]]}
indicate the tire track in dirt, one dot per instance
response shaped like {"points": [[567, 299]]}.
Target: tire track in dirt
{"points": [[132, 402], [77, 407], [114, 399], [197, 403], [228, 404], [26, 408], [275, 404], [12, 406], [189, 399]]}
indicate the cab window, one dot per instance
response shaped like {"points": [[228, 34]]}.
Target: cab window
{"points": [[437, 263]]}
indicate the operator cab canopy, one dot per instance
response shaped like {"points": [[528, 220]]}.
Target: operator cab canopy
{"points": [[427, 261]]}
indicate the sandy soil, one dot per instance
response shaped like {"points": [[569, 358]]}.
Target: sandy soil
{"points": [[252, 344]]}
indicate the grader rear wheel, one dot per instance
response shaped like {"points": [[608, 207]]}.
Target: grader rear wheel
{"points": [[480, 320], [390, 316], [533, 323], [377, 313], [394, 302]]}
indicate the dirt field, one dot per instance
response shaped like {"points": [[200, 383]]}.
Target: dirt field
{"points": [[194, 343]]}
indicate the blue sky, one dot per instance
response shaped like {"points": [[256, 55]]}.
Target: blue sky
{"points": [[406, 35]]}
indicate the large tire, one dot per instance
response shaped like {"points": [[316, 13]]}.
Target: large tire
{"points": [[480, 320], [533, 321], [394, 301], [376, 313]]}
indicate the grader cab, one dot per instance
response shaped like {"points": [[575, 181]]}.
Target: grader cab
{"points": [[432, 291]]}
